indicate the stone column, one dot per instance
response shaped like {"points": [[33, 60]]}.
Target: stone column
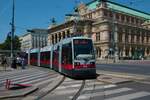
{"points": [[130, 51], [140, 41], [57, 37], [98, 52], [124, 51], [105, 50], [145, 52], [50, 39], [54, 38], [101, 13], [121, 52], [135, 39], [123, 38], [145, 38], [129, 38], [66, 34], [148, 39]]}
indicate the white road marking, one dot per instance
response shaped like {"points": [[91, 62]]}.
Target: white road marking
{"points": [[69, 91], [103, 93], [15, 80], [130, 96]]}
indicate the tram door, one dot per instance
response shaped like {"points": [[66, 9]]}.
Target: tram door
{"points": [[34, 59], [55, 59], [45, 59], [66, 58]]}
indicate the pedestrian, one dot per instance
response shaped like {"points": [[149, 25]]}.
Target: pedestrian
{"points": [[4, 63], [23, 63], [13, 65]]}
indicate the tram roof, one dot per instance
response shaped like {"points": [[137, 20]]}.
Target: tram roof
{"points": [[27, 51], [34, 50], [71, 38], [47, 48]]}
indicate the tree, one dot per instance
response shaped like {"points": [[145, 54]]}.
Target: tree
{"points": [[7, 43]]}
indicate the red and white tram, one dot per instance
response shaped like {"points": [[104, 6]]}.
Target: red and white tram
{"points": [[73, 57], [34, 57]]}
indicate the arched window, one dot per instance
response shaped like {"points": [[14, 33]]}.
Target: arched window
{"points": [[59, 36], [52, 39], [68, 33], [55, 38]]}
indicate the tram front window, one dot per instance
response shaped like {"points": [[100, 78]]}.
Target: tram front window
{"points": [[83, 47]]}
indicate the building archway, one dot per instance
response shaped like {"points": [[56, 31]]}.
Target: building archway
{"points": [[52, 39], [55, 38], [63, 35]]}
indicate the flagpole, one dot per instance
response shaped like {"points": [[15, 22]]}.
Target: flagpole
{"points": [[12, 29]]}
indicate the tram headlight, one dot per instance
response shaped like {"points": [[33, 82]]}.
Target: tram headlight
{"points": [[92, 63], [77, 63]]}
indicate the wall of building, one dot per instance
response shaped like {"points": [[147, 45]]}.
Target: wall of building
{"points": [[114, 33], [36, 38]]}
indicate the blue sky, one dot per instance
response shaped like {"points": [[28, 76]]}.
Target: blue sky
{"points": [[37, 13]]}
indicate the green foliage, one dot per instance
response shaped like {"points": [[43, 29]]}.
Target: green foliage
{"points": [[7, 44]]}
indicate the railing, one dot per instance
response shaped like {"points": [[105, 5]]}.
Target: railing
{"points": [[8, 51]]}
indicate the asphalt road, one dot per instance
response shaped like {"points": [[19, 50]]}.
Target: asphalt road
{"points": [[142, 69]]}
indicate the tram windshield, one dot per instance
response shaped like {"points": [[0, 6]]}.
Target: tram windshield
{"points": [[83, 48]]}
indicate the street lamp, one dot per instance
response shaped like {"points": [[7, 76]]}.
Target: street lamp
{"points": [[12, 30]]}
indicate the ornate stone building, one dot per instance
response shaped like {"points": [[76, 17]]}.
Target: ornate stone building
{"points": [[117, 31], [67, 29]]}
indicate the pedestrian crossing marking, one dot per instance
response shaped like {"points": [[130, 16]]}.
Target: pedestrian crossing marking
{"points": [[70, 86], [130, 96], [24, 78], [103, 93], [20, 75], [71, 90], [27, 77], [43, 80]]}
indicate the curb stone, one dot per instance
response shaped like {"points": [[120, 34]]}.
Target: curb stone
{"points": [[17, 93]]}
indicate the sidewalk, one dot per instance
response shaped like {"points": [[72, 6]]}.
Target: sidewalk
{"points": [[8, 94], [58, 80], [2, 69], [104, 76], [111, 61], [12, 93], [5, 94], [118, 78], [8, 68], [109, 79]]}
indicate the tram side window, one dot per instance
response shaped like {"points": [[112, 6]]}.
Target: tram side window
{"points": [[56, 56], [42, 56], [34, 56], [48, 55], [66, 54], [45, 55]]}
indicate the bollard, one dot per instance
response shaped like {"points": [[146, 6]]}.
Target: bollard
{"points": [[6, 84], [9, 83]]}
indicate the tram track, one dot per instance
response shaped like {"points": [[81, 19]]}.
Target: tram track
{"points": [[52, 89], [77, 94], [79, 91]]}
